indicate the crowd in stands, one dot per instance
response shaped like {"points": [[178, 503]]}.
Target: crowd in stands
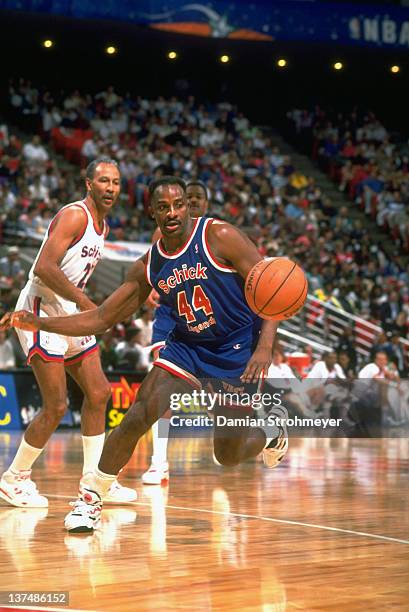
{"points": [[250, 183], [371, 167]]}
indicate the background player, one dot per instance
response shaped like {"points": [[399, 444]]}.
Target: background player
{"points": [[213, 337], [72, 247], [158, 472]]}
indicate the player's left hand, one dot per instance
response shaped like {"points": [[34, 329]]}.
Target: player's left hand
{"points": [[258, 363], [5, 321], [22, 319]]}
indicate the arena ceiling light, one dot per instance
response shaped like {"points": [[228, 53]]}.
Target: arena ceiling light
{"points": [[48, 43], [395, 69], [282, 63], [172, 55], [111, 50], [224, 59], [338, 66]]}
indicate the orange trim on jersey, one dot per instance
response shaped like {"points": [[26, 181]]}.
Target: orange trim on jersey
{"points": [[96, 228], [59, 213], [148, 267], [208, 251], [183, 248], [157, 345], [37, 350], [177, 371], [89, 351]]}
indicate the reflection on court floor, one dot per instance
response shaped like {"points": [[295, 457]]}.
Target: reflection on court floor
{"points": [[328, 529]]}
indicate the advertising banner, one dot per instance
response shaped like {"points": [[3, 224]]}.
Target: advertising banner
{"points": [[20, 399], [9, 408], [304, 20]]}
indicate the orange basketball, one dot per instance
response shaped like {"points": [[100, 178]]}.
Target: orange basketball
{"points": [[276, 288]]}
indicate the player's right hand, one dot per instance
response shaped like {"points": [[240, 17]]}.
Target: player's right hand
{"points": [[22, 319]]}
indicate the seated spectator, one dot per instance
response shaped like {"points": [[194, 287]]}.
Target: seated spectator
{"points": [[10, 266], [7, 357], [326, 388], [131, 353], [346, 346], [322, 371], [378, 368], [344, 361], [381, 344], [107, 350], [145, 324], [34, 152], [389, 311], [386, 373], [397, 354]]}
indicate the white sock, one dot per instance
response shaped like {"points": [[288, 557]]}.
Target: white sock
{"points": [[99, 481], [160, 439], [92, 448], [25, 457]]}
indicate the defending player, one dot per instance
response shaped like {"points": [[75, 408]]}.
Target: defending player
{"points": [[158, 472], [198, 268], [71, 249]]}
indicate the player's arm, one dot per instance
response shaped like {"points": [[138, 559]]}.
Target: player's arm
{"points": [[65, 230], [154, 299], [117, 307], [231, 247]]}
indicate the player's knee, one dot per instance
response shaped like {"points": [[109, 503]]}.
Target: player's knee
{"points": [[99, 397], [56, 408]]}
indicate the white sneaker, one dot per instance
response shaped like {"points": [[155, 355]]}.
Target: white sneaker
{"points": [[272, 456], [156, 475], [85, 515], [277, 449], [118, 494], [19, 490]]}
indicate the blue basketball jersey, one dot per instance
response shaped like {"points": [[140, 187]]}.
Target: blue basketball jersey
{"points": [[163, 323], [206, 297]]}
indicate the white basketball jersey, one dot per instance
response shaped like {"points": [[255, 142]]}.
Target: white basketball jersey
{"points": [[78, 262]]}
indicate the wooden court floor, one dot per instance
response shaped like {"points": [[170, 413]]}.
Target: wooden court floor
{"points": [[327, 530]]}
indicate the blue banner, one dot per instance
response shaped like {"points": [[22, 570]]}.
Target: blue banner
{"points": [[9, 408], [20, 399], [306, 20]]}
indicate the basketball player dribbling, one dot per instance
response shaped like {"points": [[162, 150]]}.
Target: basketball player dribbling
{"points": [[70, 250], [164, 322], [198, 268]]}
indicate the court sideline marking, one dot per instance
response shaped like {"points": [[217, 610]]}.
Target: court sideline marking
{"points": [[259, 517]]}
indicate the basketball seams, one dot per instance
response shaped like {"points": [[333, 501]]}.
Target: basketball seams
{"points": [[288, 277], [258, 280], [291, 305], [260, 310]]}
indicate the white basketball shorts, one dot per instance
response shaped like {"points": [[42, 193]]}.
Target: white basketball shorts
{"points": [[49, 346]]}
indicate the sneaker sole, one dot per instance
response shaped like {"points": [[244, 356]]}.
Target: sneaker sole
{"points": [[119, 501], [81, 530], [163, 482], [12, 502]]}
